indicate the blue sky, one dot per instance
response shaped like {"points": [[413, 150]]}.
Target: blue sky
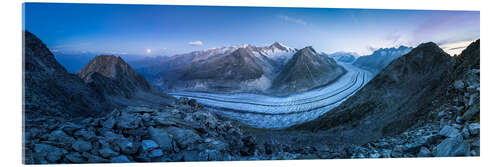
{"points": [[151, 30]]}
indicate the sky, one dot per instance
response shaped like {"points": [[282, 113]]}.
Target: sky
{"points": [[162, 30]]}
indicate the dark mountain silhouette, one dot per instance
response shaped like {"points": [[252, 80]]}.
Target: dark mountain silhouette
{"points": [[307, 69], [112, 75], [50, 89]]}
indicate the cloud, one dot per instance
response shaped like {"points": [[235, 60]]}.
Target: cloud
{"points": [[196, 43], [292, 20]]}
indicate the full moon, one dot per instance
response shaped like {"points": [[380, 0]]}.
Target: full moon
{"points": [[148, 50]]}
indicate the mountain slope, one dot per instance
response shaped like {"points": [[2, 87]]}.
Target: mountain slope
{"points": [[50, 89], [380, 58], [395, 99], [112, 75], [307, 69]]}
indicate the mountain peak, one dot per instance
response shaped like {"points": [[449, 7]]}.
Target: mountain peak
{"points": [[112, 71], [280, 46]]}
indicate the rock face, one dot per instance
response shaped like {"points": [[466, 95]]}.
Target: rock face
{"points": [[49, 89], [380, 58], [394, 99], [113, 76], [306, 70]]}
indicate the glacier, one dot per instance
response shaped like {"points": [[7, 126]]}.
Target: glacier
{"points": [[274, 112]]}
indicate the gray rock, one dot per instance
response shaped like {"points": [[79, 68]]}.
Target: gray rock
{"points": [[471, 112], [70, 128], [476, 142], [184, 137], [120, 159], [161, 137], [81, 146], [449, 131], [128, 147], [128, 121], [148, 145], [424, 152], [375, 155], [459, 84], [51, 153], [58, 136], [91, 158], [109, 123], [465, 132], [107, 152], [140, 109], [156, 153], [397, 151], [474, 128], [453, 146], [85, 134], [75, 157]]}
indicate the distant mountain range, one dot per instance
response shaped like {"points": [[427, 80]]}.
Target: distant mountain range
{"points": [[245, 68], [347, 57], [380, 58]]}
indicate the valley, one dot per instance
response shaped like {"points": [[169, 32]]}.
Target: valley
{"points": [[274, 112]]}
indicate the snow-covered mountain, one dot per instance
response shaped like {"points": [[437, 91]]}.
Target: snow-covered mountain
{"points": [[380, 58], [149, 67], [347, 57], [193, 71]]}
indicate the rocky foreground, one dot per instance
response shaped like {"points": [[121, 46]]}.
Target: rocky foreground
{"points": [[137, 134], [452, 129]]}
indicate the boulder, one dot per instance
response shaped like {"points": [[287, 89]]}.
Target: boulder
{"points": [[75, 157], [51, 153], [120, 159], [459, 84], [91, 158], [128, 147], [70, 128], [156, 153], [449, 131], [453, 146], [424, 152], [474, 128], [107, 152], [60, 137], [81, 146], [183, 137], [148, 145], [109, 123], [85, 134], [128, 121], [471, 112], [161, 137]]}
